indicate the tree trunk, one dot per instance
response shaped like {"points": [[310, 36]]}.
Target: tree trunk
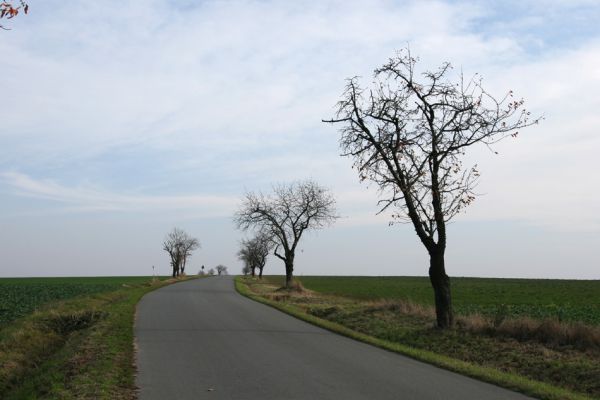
{"points": [[253, 271], [289, 272], [260, 272], [441, 289]]}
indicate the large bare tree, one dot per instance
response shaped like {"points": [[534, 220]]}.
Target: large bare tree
{"points": [[408, 134], [180, 246], [285, 215], [254, 252]]}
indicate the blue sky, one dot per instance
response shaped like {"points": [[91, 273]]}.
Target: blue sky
{"points": [[121, 120]]}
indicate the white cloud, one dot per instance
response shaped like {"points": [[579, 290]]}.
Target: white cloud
{"points": [[239, 89]]}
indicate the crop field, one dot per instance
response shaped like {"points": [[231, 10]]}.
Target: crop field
{"points": [[566, 300], [21, 296]]}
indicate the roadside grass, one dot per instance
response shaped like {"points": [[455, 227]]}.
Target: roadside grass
{"points": [[80, 348], [547, 370]]}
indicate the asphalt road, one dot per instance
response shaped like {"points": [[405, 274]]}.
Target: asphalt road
{"points": [[200, 339]]}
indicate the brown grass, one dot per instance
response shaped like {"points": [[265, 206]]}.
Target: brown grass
{"points": [[402, 307], [296, 286], [547, 331]]}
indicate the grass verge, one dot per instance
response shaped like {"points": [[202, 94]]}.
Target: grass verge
{"points": [[505, 378], [80, 348]]}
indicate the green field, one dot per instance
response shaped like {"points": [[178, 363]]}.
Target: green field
{"points": [[22, 296], [566, 300]]}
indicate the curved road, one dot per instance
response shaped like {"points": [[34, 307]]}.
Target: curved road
{"points": [[200, 339]]}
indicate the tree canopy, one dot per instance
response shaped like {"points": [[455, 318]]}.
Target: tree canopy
{"points": [[408, 134]]}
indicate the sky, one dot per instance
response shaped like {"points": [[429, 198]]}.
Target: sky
{"points": [[121, 120]]}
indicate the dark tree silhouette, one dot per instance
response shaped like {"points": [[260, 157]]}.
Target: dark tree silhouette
{"points": [[221, 269], [180, 246], [408, 135], [285, 215]]}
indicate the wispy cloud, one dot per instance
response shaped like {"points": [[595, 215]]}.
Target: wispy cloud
{"points": [[90, 198]]}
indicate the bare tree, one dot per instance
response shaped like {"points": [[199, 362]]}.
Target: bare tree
{"points": [[211, 271], [189, 245], [245, 256], [408, 135], [179, 245], [254, 252], [221, 269], [172, 245], [285, 215]]}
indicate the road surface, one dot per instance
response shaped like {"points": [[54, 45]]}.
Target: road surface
{"points": [[200, 339]]}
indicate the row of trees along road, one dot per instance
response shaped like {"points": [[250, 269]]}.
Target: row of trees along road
{"points": [[280, 219], [408, 134], [180, 246]]}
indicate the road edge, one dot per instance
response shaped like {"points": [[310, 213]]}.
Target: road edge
{"points": [[135, 348], [506, 380]]}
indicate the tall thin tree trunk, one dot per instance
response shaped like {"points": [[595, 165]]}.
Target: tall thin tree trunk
{"points": [[441, 289], [260, 272], [253, 272]]}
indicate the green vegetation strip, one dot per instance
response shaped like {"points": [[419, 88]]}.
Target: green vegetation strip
{"points": [[81, 348], [508, 380], [565, 300], [21, 296]]}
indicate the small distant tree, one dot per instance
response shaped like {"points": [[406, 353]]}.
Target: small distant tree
{"points": [[179, 245], [172, 245], [244, 256], [254, 252], [211, 271], [408, 135], [9, 10], [246, 269], [221, 269], [285, 215]]}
